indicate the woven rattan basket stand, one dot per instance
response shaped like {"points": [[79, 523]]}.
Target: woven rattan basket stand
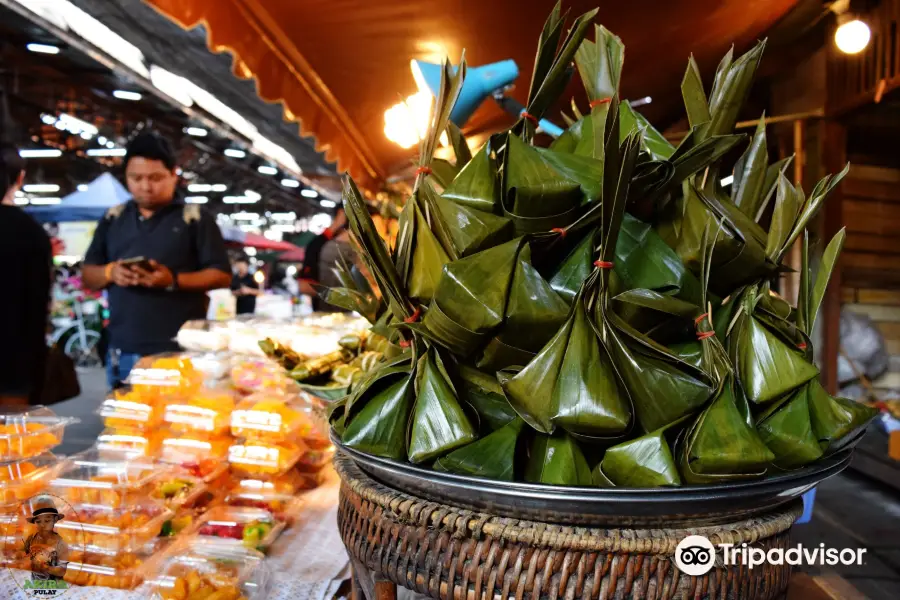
{"points": [[450, 553]]}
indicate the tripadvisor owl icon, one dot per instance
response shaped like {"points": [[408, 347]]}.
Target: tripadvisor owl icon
{"points": [[695, 555]]}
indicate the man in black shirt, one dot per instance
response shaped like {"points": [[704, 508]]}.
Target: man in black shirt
{"points": [[244, 287], [183, 257], [27, 261]]}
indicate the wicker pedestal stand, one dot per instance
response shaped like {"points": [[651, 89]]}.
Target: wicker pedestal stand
{"points": [[449, 553]]}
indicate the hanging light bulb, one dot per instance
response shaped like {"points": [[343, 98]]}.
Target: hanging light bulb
{"points": [[852, 35]]}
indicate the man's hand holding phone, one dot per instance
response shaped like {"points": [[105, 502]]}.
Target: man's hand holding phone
{"points": [[154, 275]]}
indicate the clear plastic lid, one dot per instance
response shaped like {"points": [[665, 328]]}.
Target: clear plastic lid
{"points": [[166, 374], [259, 374], [271, 416], [284, 507], [263, 459], [131, 408], [126, 443], [103, 529], [287, 484], [118, 570], [23, 479], [202, 456], [114, 484], [31, 431], [213, 365], [207, 410], [252, 528], [200, 563], [203, 336]]}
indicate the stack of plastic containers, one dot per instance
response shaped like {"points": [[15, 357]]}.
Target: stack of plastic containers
{"points": [[26, 468]]}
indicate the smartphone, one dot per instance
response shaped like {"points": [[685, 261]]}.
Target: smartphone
{"points": [[138, 261]]}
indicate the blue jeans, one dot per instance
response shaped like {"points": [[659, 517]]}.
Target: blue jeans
{"points": [[118, 365]]}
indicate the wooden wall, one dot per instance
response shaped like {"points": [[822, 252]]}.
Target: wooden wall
{"points": [[871, 213]]}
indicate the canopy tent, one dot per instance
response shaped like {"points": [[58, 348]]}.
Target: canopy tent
{"points": [[235, 237], [88, 205], [337, 66]]}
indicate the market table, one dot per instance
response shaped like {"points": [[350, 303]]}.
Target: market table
{"points": [[308, 562]]}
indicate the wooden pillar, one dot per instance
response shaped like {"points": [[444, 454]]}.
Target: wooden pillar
{"points": [[834, 150]]}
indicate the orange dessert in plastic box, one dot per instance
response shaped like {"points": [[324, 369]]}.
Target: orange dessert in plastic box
{"points": [[123, 571], [202, 456], [129, 408], [115, 484], [96, 528], [202, 568], [251, 374], [29, 432], [23, 479], [177, 490], [208, 410], [165, 376], [271, 417], [129, 443], [263, 459]]}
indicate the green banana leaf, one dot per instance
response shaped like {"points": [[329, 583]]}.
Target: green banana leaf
{"points": [[472, 230], [652, 141], [484, 393], [786, 429], [731, 89], [646, 461], [748, 190], [836, 421], [326, 392], [427, 254], [571, 383], [689, 352], [557, 460], [471, 296], [720, 446], [352, 300], [493, 456], [380, 426], [498, 355], [767, 364], [770, 184], [574, 268], [439, 423], [663, 388], [477, 186], [694, 95], [599, 63]]}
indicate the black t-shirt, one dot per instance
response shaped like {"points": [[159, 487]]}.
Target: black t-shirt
{"points": [[26, 260], [183, 238], [246, 305]]}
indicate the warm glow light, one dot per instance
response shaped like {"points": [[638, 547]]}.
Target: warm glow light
{"points": [[406, 123], [852, 37]]}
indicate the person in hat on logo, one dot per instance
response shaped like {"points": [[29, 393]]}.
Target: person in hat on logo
{"points": [[45, 547]]}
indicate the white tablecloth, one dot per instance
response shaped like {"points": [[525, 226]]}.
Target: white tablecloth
{"points": [[308, 562]]}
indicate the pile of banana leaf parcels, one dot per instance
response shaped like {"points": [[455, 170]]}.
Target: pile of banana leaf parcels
{"points": [[598, 312]]}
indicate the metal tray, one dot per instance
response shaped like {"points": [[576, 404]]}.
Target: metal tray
{"points": [[690, 504]]}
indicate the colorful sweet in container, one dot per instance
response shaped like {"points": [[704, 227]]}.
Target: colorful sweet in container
{"points": [[177, 490], [256, 458], [131, 409], [284, 507], [20, 480], [165, 376], [28, 432], [96, 528], [272, 417], [253, 528], [113, 485], [198, 568], [206, 411], [250, 374], [179, 523], [123, 571], [199, 455]]}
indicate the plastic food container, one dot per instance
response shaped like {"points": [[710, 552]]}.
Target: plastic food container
{"points": [[200, 564], [261, 459], [272, 417], [213, 365], [113, 485], [259, 374], [123, 571], [203, 336], [207, 411], [23, 479], [202, 456], [94, 528], [312, 460], [27, 433], [177, 490], [131, 409], [165, 375], [284, 507], [121, 444], [252, 528]]}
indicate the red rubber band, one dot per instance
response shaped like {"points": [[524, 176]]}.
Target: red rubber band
{"points": [[604, 264], [405, 343], [529, 117], [420, 170], [801, 346], [415, 316], [705, 335], [560, 231], [700, 318], [598, 102]]}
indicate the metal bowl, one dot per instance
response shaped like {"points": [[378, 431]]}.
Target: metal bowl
{"points": [[685, 505]]}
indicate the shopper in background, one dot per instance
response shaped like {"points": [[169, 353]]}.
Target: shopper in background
{"points": [[24, 303], [156, 255], [244, 287], [320, 257]]}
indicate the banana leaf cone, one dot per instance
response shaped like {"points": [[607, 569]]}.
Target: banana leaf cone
{"points": [[544, 189], [477, 187], [379, 427], [483, 393], [472, 230], [493, 456], [575, 268], [836, 422], [557, 460], [439, 424], [768, 364], [470, 301], [786, 429], [644, 462], [720, 446], [571, 384], [426, 258], [534, 314]]}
